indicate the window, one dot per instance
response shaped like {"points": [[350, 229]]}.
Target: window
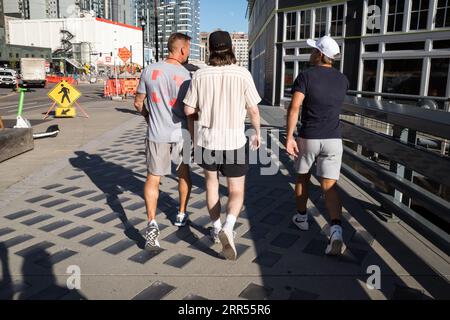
{"points": [[402, 76], [321, 22], [369, 75], [401, 46], [288, 78], [291, 25], [441, 44], [419, 14], [443, 14], [395, 15], [438, 77], [305, 24], [337, 21], [372, 47], [290, 52]]}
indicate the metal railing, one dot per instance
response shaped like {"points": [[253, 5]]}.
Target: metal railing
{"points": [[394, 185]]}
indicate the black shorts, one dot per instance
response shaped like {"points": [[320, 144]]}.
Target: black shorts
{"points": [[232, 164]]}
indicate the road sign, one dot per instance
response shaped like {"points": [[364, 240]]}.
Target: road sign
{"points": [[65, 113], [64, 94], [125, 54]]}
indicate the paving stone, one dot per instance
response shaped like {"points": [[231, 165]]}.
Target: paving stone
{"points": [[84, 193], [75, 177], [56, 258], [178, 261], [302, 295], [53, 292], [17, 240], [98, 198], [156, 291], [72, 207], [135, 222], [408, 294], [199, 204], [52, 186], [256, 233], [35, 250], [256, 292], [136, 206], [67, 190], [285, 240], [19, 214], [75, 232], [38, 219], [5, 231], [316, 247], [107, 218], [39, 198], [120, 246], [272, 219], [54, 203], [55, 225], [96, 239], [89, 212], [202, 221], [143, 257], [267, 259]]}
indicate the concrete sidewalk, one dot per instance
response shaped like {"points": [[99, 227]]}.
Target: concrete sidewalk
{"points": [[78, 210]]}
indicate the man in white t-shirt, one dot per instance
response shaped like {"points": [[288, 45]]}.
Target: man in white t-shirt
{"points": [[222, 95]]}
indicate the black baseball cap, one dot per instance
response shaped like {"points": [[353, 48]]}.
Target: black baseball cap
{"points": [[220, 40]]}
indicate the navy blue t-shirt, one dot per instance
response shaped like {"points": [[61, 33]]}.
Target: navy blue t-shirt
{"points": [[324, 89]]}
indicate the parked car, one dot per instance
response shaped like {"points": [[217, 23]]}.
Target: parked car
{"points": [[8, 78]]}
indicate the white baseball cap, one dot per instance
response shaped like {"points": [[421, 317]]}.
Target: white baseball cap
{"points": [[327, 45]]}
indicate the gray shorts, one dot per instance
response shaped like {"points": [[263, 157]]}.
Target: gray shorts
{"points": [[163, 157], [327, 154]]}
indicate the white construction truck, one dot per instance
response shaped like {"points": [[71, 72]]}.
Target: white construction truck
{"points": [[32, 72]]}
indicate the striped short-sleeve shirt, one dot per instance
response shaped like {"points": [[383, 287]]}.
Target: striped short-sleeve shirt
{"points": [[222, 95]]}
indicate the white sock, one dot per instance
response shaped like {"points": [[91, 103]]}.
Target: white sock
{"points": [[153, 223], [181, 214], [217, 225], [229, 224]]}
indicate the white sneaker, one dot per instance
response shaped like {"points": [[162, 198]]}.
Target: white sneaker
{"points": [[229, 249], [301, 221], [336, 243]]}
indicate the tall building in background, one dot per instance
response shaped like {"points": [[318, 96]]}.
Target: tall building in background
{"points": [[179, 16], [240, 47], [204, 55]]}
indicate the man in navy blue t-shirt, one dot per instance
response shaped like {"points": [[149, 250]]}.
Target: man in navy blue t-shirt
{"points": [[319, 92]]}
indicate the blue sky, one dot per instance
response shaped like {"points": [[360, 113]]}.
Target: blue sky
{"points": [[227, 15]]}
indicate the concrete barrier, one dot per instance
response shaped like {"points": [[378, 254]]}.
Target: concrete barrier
{"points": [[14, 142]]}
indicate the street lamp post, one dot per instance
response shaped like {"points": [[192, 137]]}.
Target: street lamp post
{"points": [[143, 24]]}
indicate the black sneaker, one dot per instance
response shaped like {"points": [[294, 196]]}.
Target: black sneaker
{"points": [[151, 237], [181, 220]]}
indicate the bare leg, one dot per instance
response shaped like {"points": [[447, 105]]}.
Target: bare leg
{"points": [[184, 186], [212, 194], [332, 198], [301, 192], [236, 188], [151, 195]]}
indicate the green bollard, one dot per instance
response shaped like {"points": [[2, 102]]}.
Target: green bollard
{"points": [[21, 100]]}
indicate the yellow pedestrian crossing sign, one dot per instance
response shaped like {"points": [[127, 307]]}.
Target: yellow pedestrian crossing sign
{"points": [[64, 94]]}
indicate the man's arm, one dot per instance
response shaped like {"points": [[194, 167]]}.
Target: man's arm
{"points": [[255, 119], [292, 120], [139, 105], [192, 116]]}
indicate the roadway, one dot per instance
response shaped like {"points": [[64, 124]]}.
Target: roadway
{"points": [[37, 99]]}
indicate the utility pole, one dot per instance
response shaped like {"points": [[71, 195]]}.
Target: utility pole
{"points": [[156, 31]]}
